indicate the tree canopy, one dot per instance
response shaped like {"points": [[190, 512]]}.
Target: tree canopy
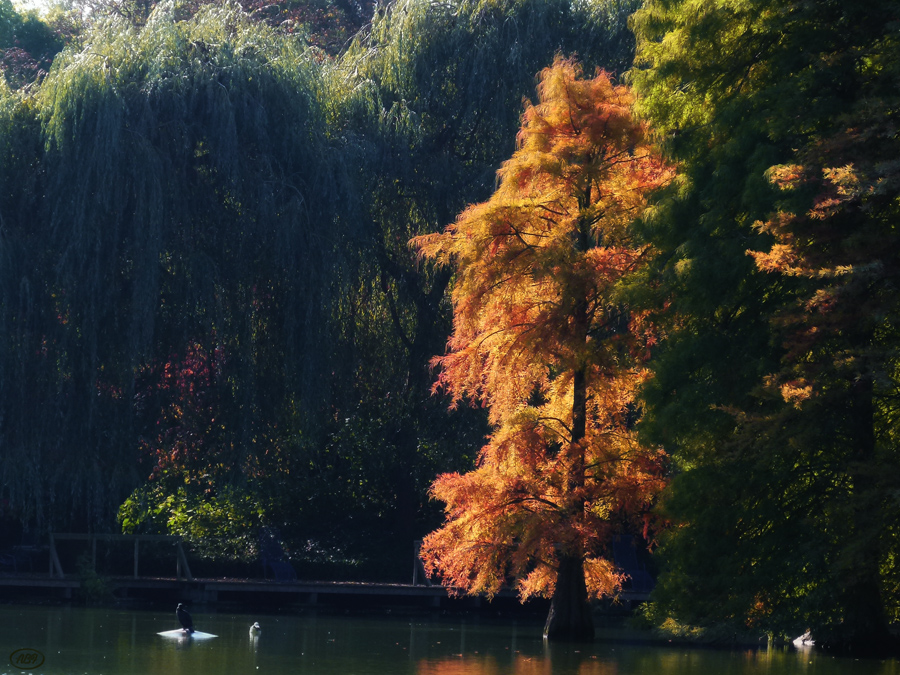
{"points": [[27, 45], [180, 167]]}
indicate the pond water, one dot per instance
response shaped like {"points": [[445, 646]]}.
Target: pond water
{"points": [[77, 641]]}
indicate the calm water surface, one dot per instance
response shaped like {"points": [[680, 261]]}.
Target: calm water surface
{"points": [[125, 642]]}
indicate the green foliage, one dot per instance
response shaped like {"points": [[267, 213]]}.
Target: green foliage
{"points": [[181, 165], [35, 36], [66, 18], [94, 589], [9, 19], [327, 25], [772, 389], [224, 526], [450, 79]]}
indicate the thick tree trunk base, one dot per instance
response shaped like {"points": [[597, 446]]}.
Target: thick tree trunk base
{"points": [[864, 631], [851, 641], [570, 618]]}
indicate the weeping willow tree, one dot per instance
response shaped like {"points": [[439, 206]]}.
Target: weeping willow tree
{"points": [[165, 297], [20, 150]]}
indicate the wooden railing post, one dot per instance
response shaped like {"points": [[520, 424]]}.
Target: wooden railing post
{"points": [[182, 559], [54, 559]]}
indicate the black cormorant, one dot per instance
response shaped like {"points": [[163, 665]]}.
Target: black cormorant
{"points": [[187, 623]]}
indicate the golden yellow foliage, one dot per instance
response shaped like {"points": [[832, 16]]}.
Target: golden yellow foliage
{"points": [[544, 338]]}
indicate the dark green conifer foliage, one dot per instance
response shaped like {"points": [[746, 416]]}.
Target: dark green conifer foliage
{"points": [[785, 525]]}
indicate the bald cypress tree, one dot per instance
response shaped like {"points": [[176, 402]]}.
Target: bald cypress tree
{"points": [[432, 93], [544, 338]]}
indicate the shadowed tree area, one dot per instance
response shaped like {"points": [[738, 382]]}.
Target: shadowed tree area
{"points": [[171, 217], [209, 305], [776, 389]]}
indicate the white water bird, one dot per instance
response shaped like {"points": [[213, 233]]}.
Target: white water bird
{"points": [[255, 628]]}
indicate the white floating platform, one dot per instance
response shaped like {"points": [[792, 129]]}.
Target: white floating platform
{"points": [[179, 633], [805, 640]]}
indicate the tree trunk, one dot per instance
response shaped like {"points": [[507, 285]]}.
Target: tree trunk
{"points": [[570, 616], [570, 612], [864, 630]]}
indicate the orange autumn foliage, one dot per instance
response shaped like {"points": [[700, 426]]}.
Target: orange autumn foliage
{"points": [[544, 337]]}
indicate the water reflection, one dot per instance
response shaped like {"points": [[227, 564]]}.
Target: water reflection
{"points": [[519, 664], [125, 642]]}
